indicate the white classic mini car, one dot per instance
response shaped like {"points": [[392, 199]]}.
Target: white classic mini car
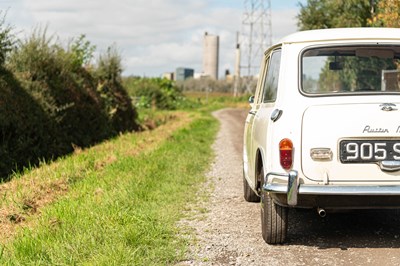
{"points": [[324, 126]]}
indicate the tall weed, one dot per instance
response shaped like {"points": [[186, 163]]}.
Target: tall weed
{"points": [[7, 38]]}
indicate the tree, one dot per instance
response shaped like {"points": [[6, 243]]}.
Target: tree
{"points": [[322, 14], [387, 14]]}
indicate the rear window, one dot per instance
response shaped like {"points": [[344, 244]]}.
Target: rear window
{"points": [[351, 69]]}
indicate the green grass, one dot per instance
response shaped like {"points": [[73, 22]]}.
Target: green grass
{"points": [[215, 101], [124, 213]]}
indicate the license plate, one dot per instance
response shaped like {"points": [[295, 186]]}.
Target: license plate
{"points": [[369, 151]]}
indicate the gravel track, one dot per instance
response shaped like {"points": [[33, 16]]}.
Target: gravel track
{"points": [[229, 233]]}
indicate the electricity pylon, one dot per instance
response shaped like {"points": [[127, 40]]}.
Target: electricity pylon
{"points": [[256, 36]]}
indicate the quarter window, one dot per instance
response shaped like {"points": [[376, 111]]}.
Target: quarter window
{"points": [[272, 77]]}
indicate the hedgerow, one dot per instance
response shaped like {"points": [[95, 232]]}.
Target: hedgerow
{"points": [[52, 100]]}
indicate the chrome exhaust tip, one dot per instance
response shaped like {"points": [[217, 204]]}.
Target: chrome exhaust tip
{"points": [[321, 212]]}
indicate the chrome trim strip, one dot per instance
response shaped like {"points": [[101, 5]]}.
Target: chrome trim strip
{"points": [[337, 190], [350, 190]]}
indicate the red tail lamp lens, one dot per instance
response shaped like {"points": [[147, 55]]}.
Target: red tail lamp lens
{"points": [[286, 153]]}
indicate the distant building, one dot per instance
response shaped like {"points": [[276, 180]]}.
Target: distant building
{"points": [[211, 55], [169, 75], [197, 75], [228, 76], [182, 73]]}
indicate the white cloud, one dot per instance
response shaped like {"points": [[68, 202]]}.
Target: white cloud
{"points": [[154, 36], [284, 22]]}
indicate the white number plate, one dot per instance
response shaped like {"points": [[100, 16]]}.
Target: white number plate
{"points": [[368, 151]]}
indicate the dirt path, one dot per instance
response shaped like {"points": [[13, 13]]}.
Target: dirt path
{"points": [[230, 231]]}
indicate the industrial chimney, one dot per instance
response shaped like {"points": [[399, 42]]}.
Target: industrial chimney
{"points": [[211, 55]]}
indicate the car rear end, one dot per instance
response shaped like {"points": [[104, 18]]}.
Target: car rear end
{"points": [[343, 125]]}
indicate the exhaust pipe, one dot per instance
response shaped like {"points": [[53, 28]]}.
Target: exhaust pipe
{"points": [[321, 212]]}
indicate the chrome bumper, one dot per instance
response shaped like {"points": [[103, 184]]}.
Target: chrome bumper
{"points": [[293, 188]]}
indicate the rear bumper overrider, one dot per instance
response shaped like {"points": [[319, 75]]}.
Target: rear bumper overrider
{"points": [[293, 189]]}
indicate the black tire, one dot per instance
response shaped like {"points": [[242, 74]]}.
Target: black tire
{"points": [[274, 220], [249, 194]]}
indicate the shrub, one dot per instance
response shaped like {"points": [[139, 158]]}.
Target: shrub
{"points": [[81, 51], [154, 92], [118, 104], [50, 103], [26, 132], [65, 92]]}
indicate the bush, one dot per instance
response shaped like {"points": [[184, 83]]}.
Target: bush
{"points": [[66, 93], [26, 133], [51, 103], [155, 92], [81, 51], [118, 103]]}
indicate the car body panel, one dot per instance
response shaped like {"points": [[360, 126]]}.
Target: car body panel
{"points": [[355, 121]]}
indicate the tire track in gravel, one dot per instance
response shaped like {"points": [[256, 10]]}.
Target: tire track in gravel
{"points": [[230, 232]]}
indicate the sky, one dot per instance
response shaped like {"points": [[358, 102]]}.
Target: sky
{"points": [[152, 36]]}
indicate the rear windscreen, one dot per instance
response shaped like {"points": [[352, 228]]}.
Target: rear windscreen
{"points": [[351, 69]]}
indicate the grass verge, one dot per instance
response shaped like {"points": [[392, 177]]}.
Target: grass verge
{"points": [[117, 203]]}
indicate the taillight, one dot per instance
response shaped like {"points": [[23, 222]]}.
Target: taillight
{"points": [[286, 153]]}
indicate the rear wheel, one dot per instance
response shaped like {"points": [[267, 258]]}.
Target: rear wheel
{"points": [[274, 220], [249, 194]]}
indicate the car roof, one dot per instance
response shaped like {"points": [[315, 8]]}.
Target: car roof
{"points": [[338, 34]]}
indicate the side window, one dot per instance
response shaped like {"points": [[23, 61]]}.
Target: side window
{"points": [[271, 80], [259, 93]]}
